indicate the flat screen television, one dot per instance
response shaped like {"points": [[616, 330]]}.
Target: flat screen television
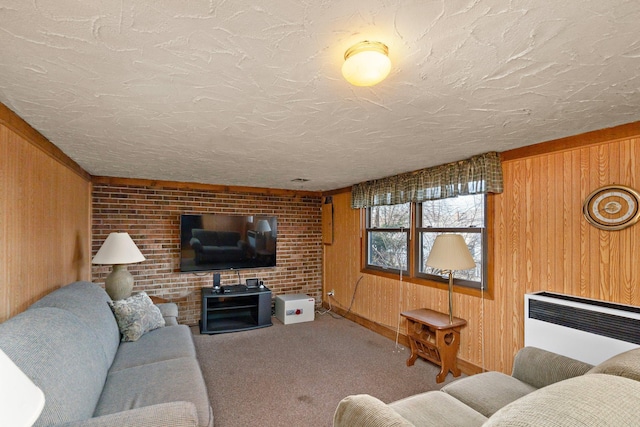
{"points": [[227, 242]]}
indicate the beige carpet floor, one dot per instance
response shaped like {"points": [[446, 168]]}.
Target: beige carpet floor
{"points": [[295, 375]]}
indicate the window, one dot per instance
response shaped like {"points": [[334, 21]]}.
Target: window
{"points": [[463, 215], [390, 231], [388, 237]]}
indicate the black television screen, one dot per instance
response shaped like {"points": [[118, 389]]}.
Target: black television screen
{"points": [[227, 242]]}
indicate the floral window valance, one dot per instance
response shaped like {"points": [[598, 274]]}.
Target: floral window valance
{"points": [[478, 175]]}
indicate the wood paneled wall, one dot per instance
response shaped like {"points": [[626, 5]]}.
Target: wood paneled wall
{"points": [[541, 241], [45, 223]]}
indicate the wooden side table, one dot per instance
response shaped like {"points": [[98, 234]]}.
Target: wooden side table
{"points": [[433, 338]]}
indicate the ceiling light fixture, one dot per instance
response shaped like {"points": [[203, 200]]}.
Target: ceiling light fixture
{"points": [[366, 63]]}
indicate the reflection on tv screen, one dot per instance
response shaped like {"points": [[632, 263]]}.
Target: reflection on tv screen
{"points": [[226, 242]]}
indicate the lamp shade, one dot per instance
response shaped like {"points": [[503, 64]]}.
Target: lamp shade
{"points": [[21, 401], [263, 226], [118, 248], [366, 63], [450, 252]]}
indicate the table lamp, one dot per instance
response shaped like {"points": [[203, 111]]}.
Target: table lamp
{"points": [[449, 253], [118, 249], [21, 401]]}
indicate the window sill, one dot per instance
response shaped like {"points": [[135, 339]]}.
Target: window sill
{"points": [[444, 285]]}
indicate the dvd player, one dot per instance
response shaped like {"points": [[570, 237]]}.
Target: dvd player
{"points": [[228, 289]]}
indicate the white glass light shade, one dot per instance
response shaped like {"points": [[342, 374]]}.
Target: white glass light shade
{"points": [[450, 252], [118, 248], [263, 226], [21, 401], [366, 63]]}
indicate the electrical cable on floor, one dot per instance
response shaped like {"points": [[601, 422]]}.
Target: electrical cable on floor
{"points": [[482, 324], [353, 297], [328, 311], [399, 348]]}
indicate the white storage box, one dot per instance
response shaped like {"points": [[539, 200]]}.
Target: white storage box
{"points": [[295, 308]]}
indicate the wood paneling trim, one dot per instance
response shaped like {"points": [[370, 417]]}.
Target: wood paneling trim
{"points": [[5, 181], [337, 191], [584, 140], [466, 367], [16, 124], [107, 180], [383, 330]]}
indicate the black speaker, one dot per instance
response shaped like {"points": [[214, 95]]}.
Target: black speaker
{"points": [[216, 280]]}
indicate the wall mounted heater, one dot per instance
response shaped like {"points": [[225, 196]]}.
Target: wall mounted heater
{"points": [[580, 328]]}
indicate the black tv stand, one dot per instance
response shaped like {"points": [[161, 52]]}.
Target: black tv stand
{"points": [[242, 309]]}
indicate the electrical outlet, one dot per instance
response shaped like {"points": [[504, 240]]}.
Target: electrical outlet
{"points": [[331, 293]]}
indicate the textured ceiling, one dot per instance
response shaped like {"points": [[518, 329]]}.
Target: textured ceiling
{"points": [[250, 93]]}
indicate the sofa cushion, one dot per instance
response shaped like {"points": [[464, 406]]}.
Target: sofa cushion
{"points": [[89, 302], [589, 400], [153, 383], [488, 392], [169, 311], [136, 316], [174, 414], [366, 410], [170, 342], [540, 367], [62, 356], [625, 364], [437, 409]]}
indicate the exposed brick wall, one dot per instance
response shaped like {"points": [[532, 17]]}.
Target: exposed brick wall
{"points": [[152, 217]]}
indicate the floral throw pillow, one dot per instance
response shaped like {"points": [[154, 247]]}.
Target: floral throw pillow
{"points": [[136, 316]]}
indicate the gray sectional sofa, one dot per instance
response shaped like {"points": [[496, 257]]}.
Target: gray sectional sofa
{"points": [[69, 344], [545, 389]]}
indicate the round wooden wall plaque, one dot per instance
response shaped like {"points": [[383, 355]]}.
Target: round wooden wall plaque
{"points": [[612, 207]]}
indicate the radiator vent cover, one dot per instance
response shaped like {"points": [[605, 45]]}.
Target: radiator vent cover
{"points": [[605, 324], [580, 328]]}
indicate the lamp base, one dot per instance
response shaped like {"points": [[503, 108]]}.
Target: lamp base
{"points": [[119, 282], [450, 297]]}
